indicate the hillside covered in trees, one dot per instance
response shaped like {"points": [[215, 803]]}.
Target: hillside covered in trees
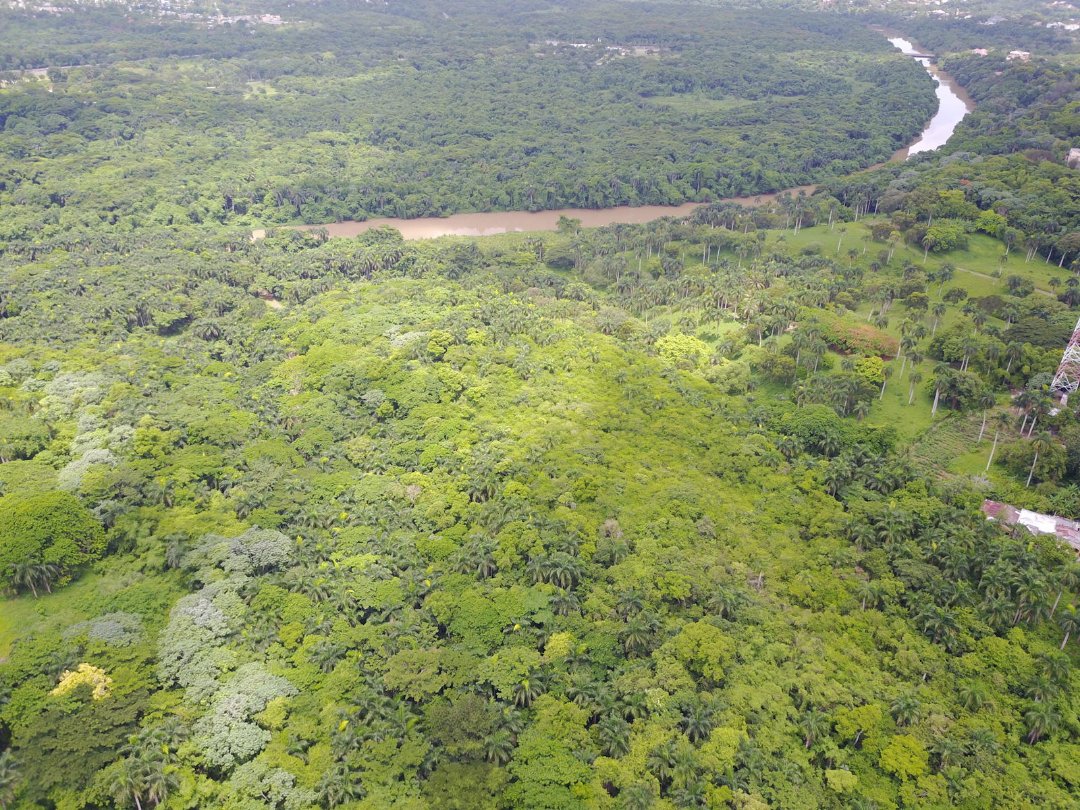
{"points": [[675, 515]]}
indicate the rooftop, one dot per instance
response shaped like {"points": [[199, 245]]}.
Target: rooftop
{"points": [[1068, 531]]}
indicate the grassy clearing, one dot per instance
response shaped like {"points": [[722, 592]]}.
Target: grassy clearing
{"points": [[107, 588], [259, 89], [892, 408], [981, 270], [695, 103], [26, 615]]}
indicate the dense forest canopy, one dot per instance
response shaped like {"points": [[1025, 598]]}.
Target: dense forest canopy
{"points": [[422, 109], [462, 527], [675, 515]]}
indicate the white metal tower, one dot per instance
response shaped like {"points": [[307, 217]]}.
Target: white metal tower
{"points": [[1067, 378]]}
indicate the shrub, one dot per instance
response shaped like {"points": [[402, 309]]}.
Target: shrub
{"points": [[50, 529], [256, 551], [854, 336], [1016, 457], [227, 735]]}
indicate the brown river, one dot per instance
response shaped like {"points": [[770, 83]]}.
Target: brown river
{"points": [[953, 105]]}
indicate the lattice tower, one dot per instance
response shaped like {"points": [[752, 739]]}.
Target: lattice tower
{"points": [[1067, 378]]}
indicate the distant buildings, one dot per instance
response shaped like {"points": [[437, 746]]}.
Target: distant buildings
{"points": [[1019, 56], [1073, 159]]}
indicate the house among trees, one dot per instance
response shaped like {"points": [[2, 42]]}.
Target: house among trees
{"points": [[1068, 531]]}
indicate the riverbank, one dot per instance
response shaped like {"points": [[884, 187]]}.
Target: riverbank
{"points": [[490, 224], [953, 103]]}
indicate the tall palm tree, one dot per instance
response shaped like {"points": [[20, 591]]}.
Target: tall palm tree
{"points": [[614, 735], [337, 787], [499, 746], [997, 611], [1040, 404], [788, 446], [628, 604], [813, 724], [697, 722], [1069, 622], [1042, 689], [1054, 667], [941, 373], [905, 710], [947, 750], [914, 378], [23, 575], [971, 345], [1024, 400], [159, 781], [325, 654], [686, 768], [1067, 579], [1041, 444], [637, 636], [945, 274], [1030, 590], [1014, 352], [661, 762], [868, 593], [127, 785], [973, 695], [638, 796], [937, 311], [986, 402], [528, 690], [565, 603], [937, 622], [1002, 422], [907, 343], [47, 574]]}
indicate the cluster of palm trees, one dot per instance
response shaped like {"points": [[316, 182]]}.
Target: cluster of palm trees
{"points": [[678, 767], [974, 565], [809, 346], [1026, 602], [1033, 403], [34, 576], [880, 473], [848, 393], [147, 774], [559, 568]]}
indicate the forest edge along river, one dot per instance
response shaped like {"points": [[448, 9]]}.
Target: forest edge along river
{"points": [[953, 105]]}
